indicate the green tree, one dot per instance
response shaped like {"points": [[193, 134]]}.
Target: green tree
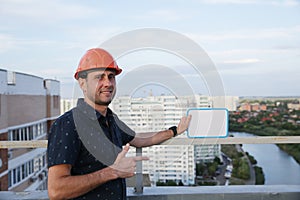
{"points": [[259, 176], [200, 169]]}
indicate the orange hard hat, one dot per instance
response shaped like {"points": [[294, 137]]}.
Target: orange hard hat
{"points": [[97, 58]]}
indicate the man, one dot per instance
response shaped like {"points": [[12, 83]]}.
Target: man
{"points": [[85, 155]]}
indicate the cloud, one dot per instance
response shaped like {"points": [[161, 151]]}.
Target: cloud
{"points": [[45, 10], [247, 34], [260, 2], [7, 42], [242, 61], [168, 15], [251, 46], [253, 55], [253, 67], [160, 14]]}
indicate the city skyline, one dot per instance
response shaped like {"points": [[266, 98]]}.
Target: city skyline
{"points": [[253, 44]]}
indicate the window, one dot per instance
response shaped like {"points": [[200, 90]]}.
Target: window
{"points": [[16, 135], [11, 78], [18, 174], [14, 180], [31, 167], [55, 101], [22, 133], [30, 132], [9, 179]]}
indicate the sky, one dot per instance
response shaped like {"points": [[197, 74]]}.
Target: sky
{"points": [[252, 45]]}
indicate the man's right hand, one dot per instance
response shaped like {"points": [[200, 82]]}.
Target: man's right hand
{"points": [[125, 167]]}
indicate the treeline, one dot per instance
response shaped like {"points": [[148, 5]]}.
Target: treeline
{"points": [[291, 149], [241, 168], [263, 125]]}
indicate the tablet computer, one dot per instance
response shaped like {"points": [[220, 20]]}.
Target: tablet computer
{"points": [[208, 123]]}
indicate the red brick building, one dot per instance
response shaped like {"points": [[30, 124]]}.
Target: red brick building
{"points": [[252, 107]]}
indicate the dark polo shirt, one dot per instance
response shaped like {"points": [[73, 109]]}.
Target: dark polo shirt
{"points": [[88, 141]]}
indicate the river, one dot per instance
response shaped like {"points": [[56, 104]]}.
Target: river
{"points": [[279, 167]]}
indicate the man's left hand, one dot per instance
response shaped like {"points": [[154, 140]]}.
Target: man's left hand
{"points": [[183, 124]]}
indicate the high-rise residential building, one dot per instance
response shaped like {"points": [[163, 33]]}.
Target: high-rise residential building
{"points": [[28, 106], [228, 102], [170, 163], [67, 104], [155, 113], [206, 153]]}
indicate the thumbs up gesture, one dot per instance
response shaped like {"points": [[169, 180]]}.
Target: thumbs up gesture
{"points": [[125, 167]]}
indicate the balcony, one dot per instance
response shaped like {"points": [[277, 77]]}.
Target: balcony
{"points": [[241, 192]]}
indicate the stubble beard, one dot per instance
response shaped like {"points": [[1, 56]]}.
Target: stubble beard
{"points": [[95, 97], [96, 100], [100, 102]]}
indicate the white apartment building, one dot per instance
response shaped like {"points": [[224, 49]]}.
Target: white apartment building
{"points": [[67, 104], [229, 102], [170, 163], [207, 153], [155, 113]]}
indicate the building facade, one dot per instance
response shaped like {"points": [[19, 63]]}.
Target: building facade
{"points": [[67, 104], [252, 107], [152, 114], [156, 113], [28, 106]]}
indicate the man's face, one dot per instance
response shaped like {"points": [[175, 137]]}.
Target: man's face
{"points": [[100, 86]]}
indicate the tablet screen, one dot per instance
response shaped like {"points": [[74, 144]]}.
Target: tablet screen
{"points": [[208, 122]]}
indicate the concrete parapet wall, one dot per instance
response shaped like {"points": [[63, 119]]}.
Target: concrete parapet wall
{"points": [[262, 192]]}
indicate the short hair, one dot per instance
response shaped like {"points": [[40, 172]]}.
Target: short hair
{"points": [[83, 74]]}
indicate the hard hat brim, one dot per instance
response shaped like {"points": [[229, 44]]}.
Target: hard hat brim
{"points": [[117, 70]]}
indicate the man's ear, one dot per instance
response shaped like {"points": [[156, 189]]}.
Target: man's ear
{"points": [[82, 84]]}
